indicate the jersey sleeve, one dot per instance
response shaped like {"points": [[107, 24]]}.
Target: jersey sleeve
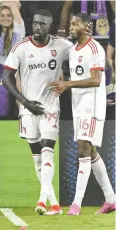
{"points": [[98, 59], [13, 59]]}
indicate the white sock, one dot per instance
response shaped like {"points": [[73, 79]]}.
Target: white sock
{"points": [[100, 173], [82, 179], [47, 173], [37, 160]]}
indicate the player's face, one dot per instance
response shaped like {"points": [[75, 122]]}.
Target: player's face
{"points": [[77, 28], [5, 18], [41, 27]]}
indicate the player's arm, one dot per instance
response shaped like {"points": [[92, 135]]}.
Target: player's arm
{"points": [[94, 81], [9, 83], [64, 17], [97, 65], [11, 66], [18, 81]]}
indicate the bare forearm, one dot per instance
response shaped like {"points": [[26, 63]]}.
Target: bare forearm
{"points": [[83, 83], [16, 14], [65, 13], [9, 83]]}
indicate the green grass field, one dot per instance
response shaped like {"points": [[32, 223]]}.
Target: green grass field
{"points": [[86, 221], [19, 189]]}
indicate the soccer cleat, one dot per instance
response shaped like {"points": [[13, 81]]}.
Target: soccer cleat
{"points": [[106, 208], [74, 210], [54, 210], [40, 208]]}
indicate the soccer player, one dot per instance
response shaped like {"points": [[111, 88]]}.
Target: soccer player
{"points": [[39, 59], [87, 64]]}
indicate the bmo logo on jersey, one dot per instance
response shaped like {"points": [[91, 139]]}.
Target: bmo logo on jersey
{"points": [[79, 70], [37, 66], [52, 64]]}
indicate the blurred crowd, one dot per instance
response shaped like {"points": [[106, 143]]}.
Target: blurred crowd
{"points": [[15, 24]]}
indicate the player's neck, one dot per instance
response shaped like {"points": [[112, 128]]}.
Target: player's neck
{"points": [[82, 40], [41, 42]]}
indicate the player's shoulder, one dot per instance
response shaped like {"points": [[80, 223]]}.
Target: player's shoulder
{"points": [[19, 45], [95, 46], [62, 41]]}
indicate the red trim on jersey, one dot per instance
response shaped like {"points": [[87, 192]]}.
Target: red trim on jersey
{"points": [[77, 48], [35, 44], [19, 43], [89, 44], [97, 68], [93, 47], [92, 127], [8, 67]]}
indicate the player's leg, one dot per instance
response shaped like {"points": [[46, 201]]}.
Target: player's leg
{"points": [[84, 150], [28, 129], [49, 128], [99, 170], [36, 150], [100, 173], [36, 153]]}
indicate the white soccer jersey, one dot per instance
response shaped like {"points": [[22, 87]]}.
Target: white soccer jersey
{"points": [[38, 66], [88, 101]]}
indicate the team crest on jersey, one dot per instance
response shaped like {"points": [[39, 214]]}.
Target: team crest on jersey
{"points": [[54, 53]]}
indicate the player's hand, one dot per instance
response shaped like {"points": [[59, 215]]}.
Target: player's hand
{"points": [[89, 29], [34, 107], [58, 87]]}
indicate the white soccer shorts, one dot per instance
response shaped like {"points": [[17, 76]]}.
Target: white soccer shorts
{"points": [[89, 129], [40, 127]]}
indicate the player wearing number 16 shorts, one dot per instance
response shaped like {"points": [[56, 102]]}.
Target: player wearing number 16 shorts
{"points": [[87, 65]]}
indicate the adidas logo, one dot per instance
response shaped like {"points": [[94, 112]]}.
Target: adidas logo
{"points": [[81, 172], [31, 56], [55, 126], [84, 134], [48, 164]]}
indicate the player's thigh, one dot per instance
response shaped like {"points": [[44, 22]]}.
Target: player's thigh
{"points": [[49, 125], [28, 127], [89, 129]]}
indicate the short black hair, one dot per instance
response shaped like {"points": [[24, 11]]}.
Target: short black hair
{"points": [[43, 12], [85, 18]]}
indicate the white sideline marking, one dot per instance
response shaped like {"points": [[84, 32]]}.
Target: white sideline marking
{"points": [[13, 218]]}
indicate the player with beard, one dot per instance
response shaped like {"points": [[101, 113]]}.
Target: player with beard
{"points": [[87, 65], [39, 59]]}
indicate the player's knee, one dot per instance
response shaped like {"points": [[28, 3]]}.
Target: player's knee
{"points": [[84, 149], [35, 148], [48, 143]]}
